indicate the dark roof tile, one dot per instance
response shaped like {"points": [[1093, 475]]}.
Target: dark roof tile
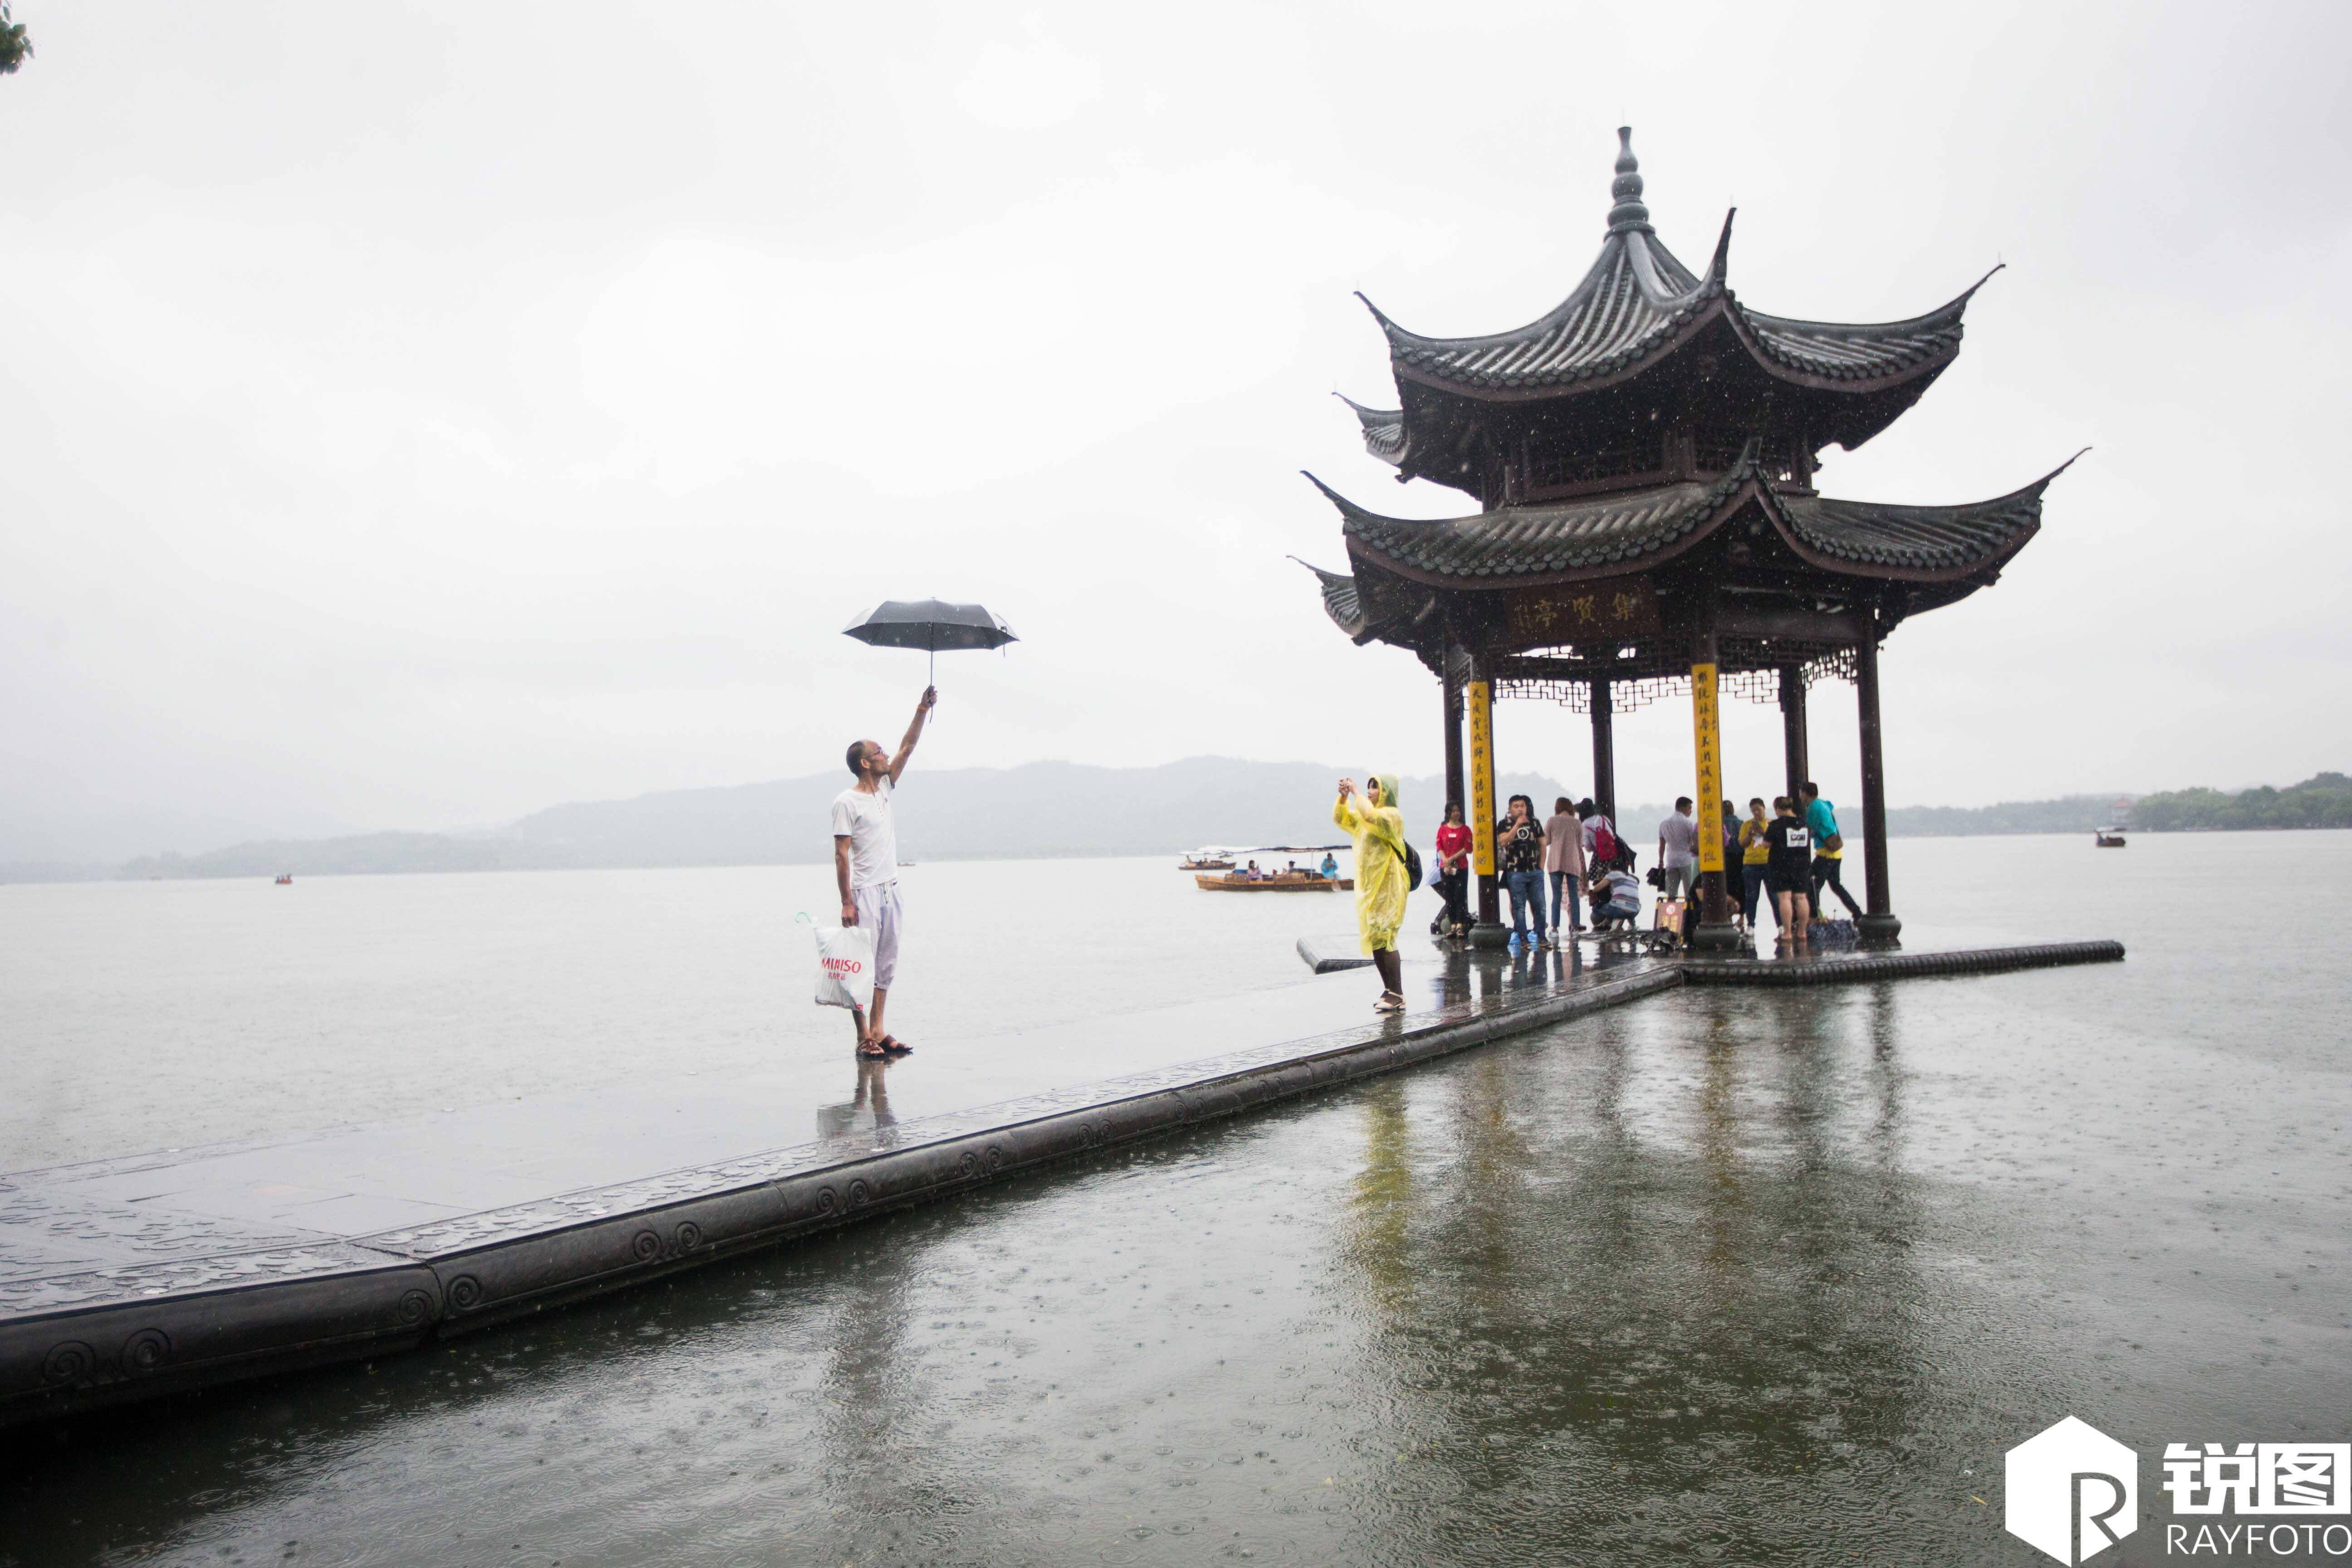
{"points": [[1636, 300], [1628, 528]]}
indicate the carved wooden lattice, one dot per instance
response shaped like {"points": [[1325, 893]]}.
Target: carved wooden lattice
{"points": [[1752, 672]]}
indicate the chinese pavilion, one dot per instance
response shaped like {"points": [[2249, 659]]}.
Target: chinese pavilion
{"points": [[1643, 459]]}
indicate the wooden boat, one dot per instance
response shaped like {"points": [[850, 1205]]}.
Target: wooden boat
{"points": [[285, 878], [1210, 863], [2107, 838], [1279, 882]]}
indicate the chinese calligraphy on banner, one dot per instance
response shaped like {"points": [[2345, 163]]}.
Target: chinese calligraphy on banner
{"points": [[1478, 700], [1710, 767]]}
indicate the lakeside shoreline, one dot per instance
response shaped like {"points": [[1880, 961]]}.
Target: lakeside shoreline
{"points": [[70, 876]]}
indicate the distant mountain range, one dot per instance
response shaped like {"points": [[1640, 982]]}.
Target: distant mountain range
{"points": [[1048, 810], [1042, 810]]}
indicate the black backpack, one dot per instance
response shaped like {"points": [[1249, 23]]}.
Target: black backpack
{"points": [[1411, 869]]}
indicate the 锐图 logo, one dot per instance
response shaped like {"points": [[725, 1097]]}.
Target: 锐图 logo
{"points": [[2071, 1492]]}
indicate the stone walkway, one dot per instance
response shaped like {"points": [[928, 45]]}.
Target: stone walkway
{"points": [[125, 1279]]}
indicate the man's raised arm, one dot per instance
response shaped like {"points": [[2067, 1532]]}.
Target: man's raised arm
{"points": [[914, 733]]}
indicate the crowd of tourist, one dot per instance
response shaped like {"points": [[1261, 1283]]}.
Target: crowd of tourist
{"points": [[1575, 863], [1777, 860]]}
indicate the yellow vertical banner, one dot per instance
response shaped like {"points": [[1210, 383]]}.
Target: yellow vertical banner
{"points": [[1710, 768], [1478, 700]]}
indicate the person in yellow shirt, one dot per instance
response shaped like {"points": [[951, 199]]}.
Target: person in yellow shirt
{"points": [[1755, 854], [1377, 827]]}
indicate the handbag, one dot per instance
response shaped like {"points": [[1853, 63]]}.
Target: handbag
{"points": [[1830, 843]]}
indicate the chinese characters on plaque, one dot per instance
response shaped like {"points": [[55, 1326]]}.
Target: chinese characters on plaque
{"points": [[1580, 612]]}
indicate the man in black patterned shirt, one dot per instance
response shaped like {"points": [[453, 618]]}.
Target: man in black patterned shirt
{"points": [[1518, 850]]}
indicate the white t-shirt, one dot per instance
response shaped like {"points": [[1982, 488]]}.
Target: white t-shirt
{"points": [[865, 820], [1680, 835]]}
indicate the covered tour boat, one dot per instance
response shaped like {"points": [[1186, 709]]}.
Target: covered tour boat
{"points": [[1277, 882]]}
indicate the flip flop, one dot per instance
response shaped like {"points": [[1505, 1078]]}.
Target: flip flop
{"points": [[872, 1049], [892, 1045]]}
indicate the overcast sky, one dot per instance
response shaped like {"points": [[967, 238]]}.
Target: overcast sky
{"points": [[414, 415]]}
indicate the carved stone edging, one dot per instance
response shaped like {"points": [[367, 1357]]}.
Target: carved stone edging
{"points": [[121, 1351], [1902, 965]]}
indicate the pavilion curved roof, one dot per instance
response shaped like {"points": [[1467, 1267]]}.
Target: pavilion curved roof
{"points": [[1341, 602], [1628, 530], [1637, 303], [1384, 433]]}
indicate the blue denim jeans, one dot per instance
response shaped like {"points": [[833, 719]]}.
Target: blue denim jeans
{"points": [[1527, 887], [1752, 879], [1571, 884]]}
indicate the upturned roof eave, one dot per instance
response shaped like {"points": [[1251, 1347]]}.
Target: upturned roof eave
{"points": [[1717, 512], [1734, 494], [1919, 374]]}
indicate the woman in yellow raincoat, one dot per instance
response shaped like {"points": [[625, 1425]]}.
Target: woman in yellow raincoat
{"points": [[1376, 824]]}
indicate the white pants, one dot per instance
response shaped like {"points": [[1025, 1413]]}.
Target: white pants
{"points": [[877, 911]]}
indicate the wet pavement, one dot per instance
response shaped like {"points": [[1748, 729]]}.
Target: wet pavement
{"points": [[1730, 1276]]}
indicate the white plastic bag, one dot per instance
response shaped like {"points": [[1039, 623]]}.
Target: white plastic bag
{"points": [[845, 965]]}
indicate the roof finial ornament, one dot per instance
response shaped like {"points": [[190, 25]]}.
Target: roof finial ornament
{"points": [[1629, 213]]}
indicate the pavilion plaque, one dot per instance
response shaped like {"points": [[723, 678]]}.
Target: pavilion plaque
{"points": [[1580, 612]]}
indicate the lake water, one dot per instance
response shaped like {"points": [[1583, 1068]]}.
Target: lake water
{"points": [[1721, 1277]]}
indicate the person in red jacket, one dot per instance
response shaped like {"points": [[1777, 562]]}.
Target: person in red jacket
{"points": [[1453, 870]]}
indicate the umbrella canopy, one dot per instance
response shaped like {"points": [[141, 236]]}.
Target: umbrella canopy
{"points": [[930, 624]]}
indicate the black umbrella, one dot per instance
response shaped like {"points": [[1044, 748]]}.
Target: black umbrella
{"points": [[931, 625]]}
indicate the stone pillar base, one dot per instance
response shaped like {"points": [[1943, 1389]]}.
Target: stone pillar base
{"points": [[1719, 936], [1487, 933], [1879, 933]]}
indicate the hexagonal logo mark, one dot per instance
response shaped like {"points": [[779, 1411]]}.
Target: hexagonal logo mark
{"points": [[2071, 1492]]}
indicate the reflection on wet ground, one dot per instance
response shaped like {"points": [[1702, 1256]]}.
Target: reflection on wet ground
{"points": [[1732, 1276]]}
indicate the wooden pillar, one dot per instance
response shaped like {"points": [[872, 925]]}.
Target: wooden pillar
{"points": [[1604, 752], [1457, 790], [1478, 699], [1456, 787], [1716, 934], [1877, 927], [1792, 728]]}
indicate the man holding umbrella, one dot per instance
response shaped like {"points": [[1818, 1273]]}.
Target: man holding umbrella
{"points": [[865, 864]]}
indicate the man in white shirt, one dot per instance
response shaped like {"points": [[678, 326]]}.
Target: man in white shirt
{"points": [[865, 864], [1679, 852]]}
